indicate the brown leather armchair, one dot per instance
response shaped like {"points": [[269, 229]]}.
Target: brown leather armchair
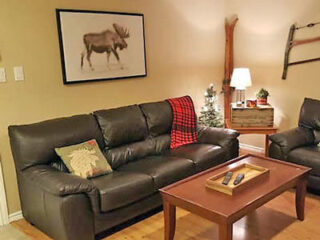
{"points": [[300, 145]]}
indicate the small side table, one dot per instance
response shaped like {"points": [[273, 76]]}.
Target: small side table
{"points": [[255, 130]]}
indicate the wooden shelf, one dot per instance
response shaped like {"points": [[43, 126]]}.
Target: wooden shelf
{"points": [[255, 130]]}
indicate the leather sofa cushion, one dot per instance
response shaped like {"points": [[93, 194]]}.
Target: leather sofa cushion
{"points": [[122, 125], [316, 137], [204, 156], [307, 156], [119, 189], [59, 165], [310, 114], [34, 144], [291, 139], [159, 117], [162, 143], [163, 169], [121, 155], [314, 184]]}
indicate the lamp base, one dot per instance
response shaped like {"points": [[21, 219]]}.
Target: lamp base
{"points": [[239, 104], [240, 97]]}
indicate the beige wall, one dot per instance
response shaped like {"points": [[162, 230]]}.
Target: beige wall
{"points": [[185, 52], [260, 38]]}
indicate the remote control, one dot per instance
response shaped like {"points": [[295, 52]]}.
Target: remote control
{"points": [[238, 179], [227, 178]]}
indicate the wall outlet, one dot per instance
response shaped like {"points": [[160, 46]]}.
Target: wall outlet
{"points": [[3, 75], [18, 73]]}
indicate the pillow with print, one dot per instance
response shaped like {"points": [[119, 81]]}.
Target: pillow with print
{"points": [[85, 159]]}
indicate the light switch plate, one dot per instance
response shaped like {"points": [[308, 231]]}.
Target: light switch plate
{"points": [[18, 73], [3, 75]]}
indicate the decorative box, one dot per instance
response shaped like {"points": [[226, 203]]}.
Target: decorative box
{"points": [[260, 116]]}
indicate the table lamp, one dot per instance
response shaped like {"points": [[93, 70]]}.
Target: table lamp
{"points": [[241, 79]]}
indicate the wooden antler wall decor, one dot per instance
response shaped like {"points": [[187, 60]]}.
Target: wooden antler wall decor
{"points": [[293, 43], [228, 66]]}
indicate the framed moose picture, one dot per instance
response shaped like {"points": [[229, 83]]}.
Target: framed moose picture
{"points": [[98, 45]]}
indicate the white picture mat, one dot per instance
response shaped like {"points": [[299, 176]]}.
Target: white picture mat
{"points": [[74, 25]]}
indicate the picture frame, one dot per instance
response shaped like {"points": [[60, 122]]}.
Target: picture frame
{"points": [[101, 45]]}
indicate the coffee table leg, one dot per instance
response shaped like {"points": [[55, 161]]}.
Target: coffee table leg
{"points": [[225, 232], [300, 197], [169, 211], [266, 146]]}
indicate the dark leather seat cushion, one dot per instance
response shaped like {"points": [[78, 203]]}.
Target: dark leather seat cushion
{"points": [[163, 169], [307, 156], [119, 189], [204, 156]]}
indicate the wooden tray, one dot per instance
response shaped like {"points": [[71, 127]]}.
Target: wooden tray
{"points": [[252, 174]]}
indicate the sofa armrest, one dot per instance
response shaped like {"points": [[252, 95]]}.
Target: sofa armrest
{"points": [[291, 139], [222, 137], [54, 201], [60, 183]]}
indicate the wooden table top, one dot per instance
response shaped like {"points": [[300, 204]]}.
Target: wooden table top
{"points": [[192, 193]]}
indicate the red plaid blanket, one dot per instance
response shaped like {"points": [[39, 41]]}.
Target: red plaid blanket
{"points": [[184, 122]]}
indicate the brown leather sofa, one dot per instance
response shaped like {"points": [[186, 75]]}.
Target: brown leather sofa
{"points": [[299, 145], [135, 140]]}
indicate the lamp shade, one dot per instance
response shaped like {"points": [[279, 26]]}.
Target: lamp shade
{"points": [[241, 78]]}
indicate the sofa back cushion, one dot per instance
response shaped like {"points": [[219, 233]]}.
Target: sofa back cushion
{"points": [[159, 117], [122, 125], [34, 144], [123, 154], [162, 143], [310, 114], [316, 134]]}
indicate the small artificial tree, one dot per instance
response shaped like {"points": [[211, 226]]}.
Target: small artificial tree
{"points": [[210, 115]]}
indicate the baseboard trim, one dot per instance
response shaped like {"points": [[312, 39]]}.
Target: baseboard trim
{"points": [[15, 216], [251, 148]]}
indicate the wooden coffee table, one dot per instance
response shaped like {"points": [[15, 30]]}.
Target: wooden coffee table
{"points": [[192, 195]]}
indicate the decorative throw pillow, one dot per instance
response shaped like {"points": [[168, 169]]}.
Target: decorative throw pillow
{"points": [[84, 159]]}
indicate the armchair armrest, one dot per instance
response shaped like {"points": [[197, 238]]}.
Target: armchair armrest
{"points": [[217, 136], [59, 183], [291, 139]]}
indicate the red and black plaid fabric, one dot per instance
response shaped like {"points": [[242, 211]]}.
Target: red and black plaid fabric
{"points": [[184, 122]]}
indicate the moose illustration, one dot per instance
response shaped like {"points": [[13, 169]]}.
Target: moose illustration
{"points": [[105, 42]]}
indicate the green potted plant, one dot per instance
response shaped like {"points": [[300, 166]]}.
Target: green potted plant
{"points": [[262, 97]]}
